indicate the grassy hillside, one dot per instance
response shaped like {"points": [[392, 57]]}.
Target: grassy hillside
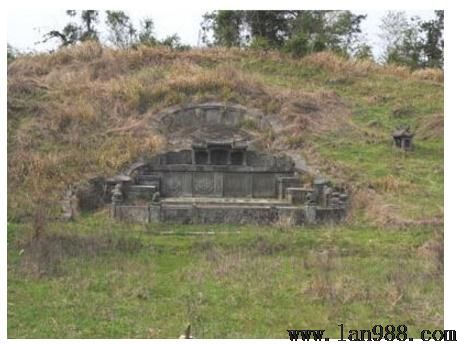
{"points": [[87, 110]]}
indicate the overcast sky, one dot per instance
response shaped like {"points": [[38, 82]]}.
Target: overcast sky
{"points": [[27, 27]]}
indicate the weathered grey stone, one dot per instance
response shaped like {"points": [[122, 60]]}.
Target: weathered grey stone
{"points": [[143, 192], [403, 138], [217, 177], [229, 214], [179, 157], [330, 215], [201, 115], [264, 185], [70, 205], [285, 182], [154, 213], [117, 194], [186, 175], [298, 195]]}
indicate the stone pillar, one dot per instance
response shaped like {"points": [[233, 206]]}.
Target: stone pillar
{"points": [[194, 215], [116, 199], [70, 205], [309, 213], [281, 189], [155, 212], [319, 184], [193, 158]]}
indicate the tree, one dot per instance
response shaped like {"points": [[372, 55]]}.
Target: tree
{"points": [[344, 30], [239, 28], [272, 26], [226, 27], [72, 32], [433, 45], [121, 32], [413, 42], [146, 33], [298, 45], [309, 29], [11, 53], [297, 32], [315, 31], [69, 35], [89, 19], [363, 51], [402, 39], [174, 42], [392, 27]]}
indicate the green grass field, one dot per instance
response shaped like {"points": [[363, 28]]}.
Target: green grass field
{"points": [[85, 111], [134, 281]]}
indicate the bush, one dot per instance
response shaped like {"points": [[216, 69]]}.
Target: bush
{"points": [[260, 43], [298, 46]]}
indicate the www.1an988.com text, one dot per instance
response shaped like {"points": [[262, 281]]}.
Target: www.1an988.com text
{"points": [[376, 333]]}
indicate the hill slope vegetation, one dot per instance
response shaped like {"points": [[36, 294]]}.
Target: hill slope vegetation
{"points": [[86, 111]]}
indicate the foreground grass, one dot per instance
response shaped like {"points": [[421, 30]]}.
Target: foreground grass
{"points": [[95, 278]]}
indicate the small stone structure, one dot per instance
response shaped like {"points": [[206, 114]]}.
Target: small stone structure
{"points": [[403, 138], [221, 181]]}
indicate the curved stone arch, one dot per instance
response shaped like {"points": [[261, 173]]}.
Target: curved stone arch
{"points": [[209, 115]]}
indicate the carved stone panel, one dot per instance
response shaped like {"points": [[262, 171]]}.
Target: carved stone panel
{"points": [[237, 185], [218, 183], [264, 185], [201, 157], [179, 157], [203, 184], [213, 116], [173, 184], [219, 157], [187, 189]]}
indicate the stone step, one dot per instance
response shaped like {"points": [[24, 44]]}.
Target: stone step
{"points": [[221, 203], [140, 191], [148, 180]]}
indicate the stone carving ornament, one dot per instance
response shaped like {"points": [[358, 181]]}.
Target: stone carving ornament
{"points": [[173, 185], [203, 184]]}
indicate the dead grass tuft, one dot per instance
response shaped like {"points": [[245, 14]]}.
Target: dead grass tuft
{"points": [[44, 255], [431, 127], [302, 113], [434, 74], [340, 65], [84, 52], [387, 215], [392, 184], [347, 68], [433, 250]]}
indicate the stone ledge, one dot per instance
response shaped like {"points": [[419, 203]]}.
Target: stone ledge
{"points": [[227, 214]]}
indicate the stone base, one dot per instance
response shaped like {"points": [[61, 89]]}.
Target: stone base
{"points": [[235, 211]]}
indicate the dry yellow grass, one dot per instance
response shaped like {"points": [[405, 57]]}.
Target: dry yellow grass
{"points": [[86, 110], [431, 127], [434, 74]]}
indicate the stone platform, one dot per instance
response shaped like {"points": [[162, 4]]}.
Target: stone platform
{"points": [[228, 211]]}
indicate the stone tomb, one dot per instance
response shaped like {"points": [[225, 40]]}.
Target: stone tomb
{"points": [[221, 181]]}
